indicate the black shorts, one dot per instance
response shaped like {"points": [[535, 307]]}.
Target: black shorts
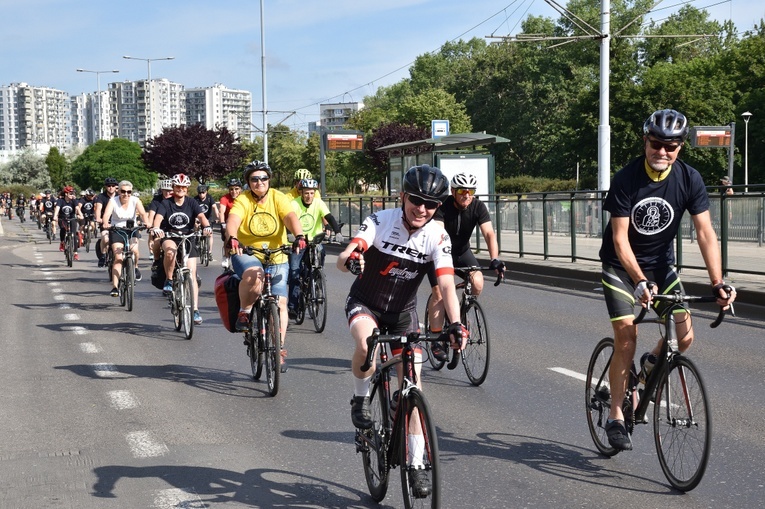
{"points": [[389, 323], [119, 237], [466, 259], [619, 290], [191, 246]]}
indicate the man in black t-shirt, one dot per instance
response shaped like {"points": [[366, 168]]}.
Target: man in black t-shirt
{"points": [[646, 200], [208, 207], [110, 190], [460, 214]]}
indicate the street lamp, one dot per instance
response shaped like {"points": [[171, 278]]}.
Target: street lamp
{"points": [[148, 84], [747, 115], [98, 79]]}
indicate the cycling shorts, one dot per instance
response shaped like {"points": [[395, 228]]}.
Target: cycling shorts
{"points": [[279, 272], [120, 238], [619, 290], [191, 246], [389, 323], [466, 259]]}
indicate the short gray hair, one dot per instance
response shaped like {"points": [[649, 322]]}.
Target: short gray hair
{"points": [[126, 183]]}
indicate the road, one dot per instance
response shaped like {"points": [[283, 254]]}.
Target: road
{"points": [[103, 408]]}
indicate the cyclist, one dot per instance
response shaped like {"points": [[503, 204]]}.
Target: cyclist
{"points": [[298, 177], [110, 190], [460, 214], [32, 206], [208, 206], [177, 215], [87, 207], [393, 251], [165, 192], [224, 207], [21, 206], [67, 207], [122, 211], [259, 217], [314, 217], [647, 200], [46, 206]]}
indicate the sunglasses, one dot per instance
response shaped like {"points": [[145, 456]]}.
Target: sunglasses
{"points": [[418, 202], [462, 190], [657, 145], [232, 189], [126, 191], [259, 179], [111, 185]]}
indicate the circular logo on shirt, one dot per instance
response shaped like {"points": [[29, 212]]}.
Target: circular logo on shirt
{"points": [[205, 208], [178, 220], [307, 222], [262, 224], [652, 215]]}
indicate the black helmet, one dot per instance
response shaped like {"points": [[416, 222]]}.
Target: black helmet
{"points": [[256, 166], [110, 181], [234, 183], [201, 188], [667, 125], [427, 182]]}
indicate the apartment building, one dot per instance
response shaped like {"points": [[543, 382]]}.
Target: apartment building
{"points": [[333, 116], [33, 117], [138, 110], [218, 106], [90, 118]]}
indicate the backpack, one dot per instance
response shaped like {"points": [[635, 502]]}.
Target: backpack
{"points": [[227, 299]]}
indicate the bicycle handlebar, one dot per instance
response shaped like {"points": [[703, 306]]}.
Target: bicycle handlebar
{"points": [[678, 297], [249, 250], [475, 268], [412, 337]]}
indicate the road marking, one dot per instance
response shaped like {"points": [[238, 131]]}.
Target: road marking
{"points": [[105, 370], [54, 283], [65, 306], [90, 348], [173, 498], [56, 290], [122, 400], [568, 372], [75, 329], [59, 297], [71, 317], [144, 445]]}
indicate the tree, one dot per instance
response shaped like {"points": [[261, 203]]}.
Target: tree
{"points": [[27, 169], [118, 158], [376, 170], [199, 152], [59, 168]]}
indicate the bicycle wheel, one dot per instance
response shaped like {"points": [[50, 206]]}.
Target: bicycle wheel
{"points": [[301, 305], [69, 249], [86, 239], [319, 299], [187, 306], [477, 353], [417, 422], [597, 395], [682, 424], [122, 286], [374, 445], [129, 272], [435, 363], [272, 346], [49, 232], [205, 254]]}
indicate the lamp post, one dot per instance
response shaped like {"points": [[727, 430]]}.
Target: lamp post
{"points": [[148, 85], [746, 115], [98, 80]]}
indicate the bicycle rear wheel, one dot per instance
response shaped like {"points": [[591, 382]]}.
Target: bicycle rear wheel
{"points": [[187, 306], [435, 363], [419, 441], [86, 239], [129, 272], [272, 345], [373, 444], [122, 286], [69, 249], [597, 395], [319, 299], [682, 424], [477, 353]]}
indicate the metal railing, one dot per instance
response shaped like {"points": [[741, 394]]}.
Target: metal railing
{"points": [[569, 225]]}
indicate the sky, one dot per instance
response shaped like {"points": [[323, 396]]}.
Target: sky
{"points": [[315, 50]]}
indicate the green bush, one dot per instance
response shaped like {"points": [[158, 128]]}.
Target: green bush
{"points": [[525, 184]]}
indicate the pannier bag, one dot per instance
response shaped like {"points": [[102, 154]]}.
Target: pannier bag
{"points": [[227, 299]]}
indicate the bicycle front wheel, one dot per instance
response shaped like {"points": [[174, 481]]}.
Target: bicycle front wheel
{"points": [[272, 345], [477, 353], [187, 306], [129, 272], [435, 363], [68, 249], [682, 424], [597, 395], [319, 299], [418, 454], [205, 254], [373, 443]]}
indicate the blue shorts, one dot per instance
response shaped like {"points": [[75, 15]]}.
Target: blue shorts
{"points": [[279, 272]]}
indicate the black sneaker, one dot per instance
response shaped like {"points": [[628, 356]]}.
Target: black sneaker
{"points": [[137, 274], [420, 483], [437, 349], [360, 414], [618, 436], [242, 322], [101, 262], [114, 292]]}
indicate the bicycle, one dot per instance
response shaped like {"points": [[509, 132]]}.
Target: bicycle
{"points": [[387, 443], [49, 227], [87, 235], [69, 240], [126, 281], [313, 286], [682, 421], [20, 211], [477, 352], [263, 339], [203, 248], [181, 299]]}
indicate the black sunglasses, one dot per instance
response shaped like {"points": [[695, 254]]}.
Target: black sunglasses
{"points": [[259, 179], [657, 145], [417, 202], [126, 191]]}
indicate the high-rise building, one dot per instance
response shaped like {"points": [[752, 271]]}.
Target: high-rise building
{"points": [[333, 116], [137, 110], [220, 106], [33, 117]]}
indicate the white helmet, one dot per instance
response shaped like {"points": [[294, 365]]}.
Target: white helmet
{"points": [[166, 185], [181, 179], [464, 181]]}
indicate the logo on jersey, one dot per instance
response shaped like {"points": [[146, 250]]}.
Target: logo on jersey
{"points": [[393, 270], [374, 218], [178, 220], [262, 224], [652, 216], [205, 208], [307, 222], [409, 251]]}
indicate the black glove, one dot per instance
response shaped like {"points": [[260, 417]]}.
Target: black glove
{"points": [[353, 263], [299, 243], [232, 245], [496, 264], [728, 289], [458, 332]]}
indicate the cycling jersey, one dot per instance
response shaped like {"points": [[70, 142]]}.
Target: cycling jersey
{"points": [[461, 223], [263, 223], [395, 262], [654, 210], [227, 201], [310, 217]]}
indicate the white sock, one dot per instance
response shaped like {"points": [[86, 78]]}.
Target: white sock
{"points": [[416, 450], [361, 386]]}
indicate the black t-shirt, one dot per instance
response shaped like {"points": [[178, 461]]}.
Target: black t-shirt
{"points": [[103, 199], [48, 204], [655, 210], [66, 208], [156, 201], [88, 207], [206, 204], [179, 218], [460, 224]]}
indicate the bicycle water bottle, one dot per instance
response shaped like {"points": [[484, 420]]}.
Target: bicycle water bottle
{"points": [[647, 362]]}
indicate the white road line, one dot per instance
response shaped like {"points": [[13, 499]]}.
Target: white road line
{"points": [[568, 372], [122, 400], [56, 290], [59, 297], [105, 370], [75, 329], [90, 348], [54, 283], [71, 317], [144, 445], [174, 498], [65, 306]]}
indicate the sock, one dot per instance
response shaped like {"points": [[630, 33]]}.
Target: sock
{"points": [[416, 450], [361, 386]]}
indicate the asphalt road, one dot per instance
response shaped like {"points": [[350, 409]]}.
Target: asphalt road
{"points": [[103, 408]]}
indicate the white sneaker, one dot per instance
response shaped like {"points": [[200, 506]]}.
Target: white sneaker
{"points": [[224, 263], [151, 256]]}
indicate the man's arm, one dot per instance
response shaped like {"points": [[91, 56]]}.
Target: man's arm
{"points": [[490, 236]]}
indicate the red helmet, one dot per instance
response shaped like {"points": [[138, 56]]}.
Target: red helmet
{"points": [[68, 189]]}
